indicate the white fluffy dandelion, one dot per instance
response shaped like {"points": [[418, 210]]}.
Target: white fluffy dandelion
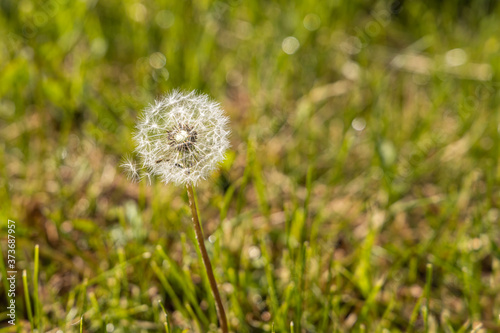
{"points": [[182, 137]]}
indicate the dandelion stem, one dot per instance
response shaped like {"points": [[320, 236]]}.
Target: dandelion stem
{"points": [[206, 261]]}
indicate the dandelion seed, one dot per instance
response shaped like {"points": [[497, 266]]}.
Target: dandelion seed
{"points": [[182, 137], [147, 176], [131, 169]]}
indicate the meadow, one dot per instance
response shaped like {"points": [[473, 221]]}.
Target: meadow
{"points": [[360, 192]]}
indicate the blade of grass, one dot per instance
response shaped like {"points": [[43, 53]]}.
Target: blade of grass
{"points": [[82, 302], [428, 281], [268, 267], [184, 280], [167, 321], [168, 288], [96, 309], [27, 300], [36, 294]]}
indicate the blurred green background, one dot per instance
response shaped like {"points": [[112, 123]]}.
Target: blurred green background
{"points": [[365, 156]]}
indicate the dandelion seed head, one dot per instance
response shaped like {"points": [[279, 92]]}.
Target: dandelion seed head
{"points": [[181, 138]]}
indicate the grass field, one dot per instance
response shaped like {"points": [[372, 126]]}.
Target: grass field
{"points": [[360, 193]]}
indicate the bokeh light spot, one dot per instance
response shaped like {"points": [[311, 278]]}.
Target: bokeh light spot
{"points": [[157, 60], [164, 19], [456, 57], [358, 124], [138, 12], [312, 22], [290, 45]]}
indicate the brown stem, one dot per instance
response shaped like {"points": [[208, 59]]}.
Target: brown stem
{"points": [[206, 261]]}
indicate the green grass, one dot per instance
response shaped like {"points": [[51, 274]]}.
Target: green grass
{"points": [[360, 193]]}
